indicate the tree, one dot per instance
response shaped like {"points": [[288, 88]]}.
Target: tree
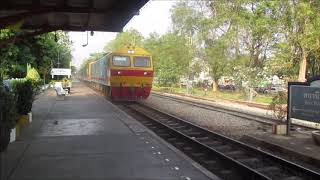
{"points": [[131, 37], [300, 31], [171, 57]]}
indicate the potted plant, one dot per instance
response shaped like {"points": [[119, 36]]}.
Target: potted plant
{"points": [[8, 116], [24, 92], [279, 109], [33, 77]]}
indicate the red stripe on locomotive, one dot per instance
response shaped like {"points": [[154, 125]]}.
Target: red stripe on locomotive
{"points": [[118, 72]]}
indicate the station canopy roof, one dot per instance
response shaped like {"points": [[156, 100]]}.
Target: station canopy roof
{"points": [[69, 15]]}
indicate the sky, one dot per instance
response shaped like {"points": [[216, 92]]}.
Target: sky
{"points": [[153, 17]]}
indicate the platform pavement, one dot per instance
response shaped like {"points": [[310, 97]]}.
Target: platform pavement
{"points": [[85, 137]]}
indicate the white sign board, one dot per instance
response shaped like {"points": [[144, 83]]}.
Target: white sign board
{"points": [[60, 72]]}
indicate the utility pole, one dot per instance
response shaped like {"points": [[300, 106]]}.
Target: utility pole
{"points": [[189, 78], [58, 59]]}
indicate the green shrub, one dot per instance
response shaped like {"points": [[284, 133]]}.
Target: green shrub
{"points": [[8, 111], [32, 74], [24, 92], [278, 105]]}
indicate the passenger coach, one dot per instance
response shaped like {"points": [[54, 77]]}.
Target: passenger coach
{"points": [[125, 74]]}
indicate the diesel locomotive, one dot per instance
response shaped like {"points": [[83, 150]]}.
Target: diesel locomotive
{"points": [[125, 74]]}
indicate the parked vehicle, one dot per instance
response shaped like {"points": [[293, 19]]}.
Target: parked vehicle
{"points": [[227, 87], [262, 89], [275, 90]]}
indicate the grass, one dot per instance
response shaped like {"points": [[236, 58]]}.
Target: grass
{"points": [[227, 95]]}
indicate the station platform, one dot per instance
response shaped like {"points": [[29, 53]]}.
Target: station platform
{"points": [[86, 137]]}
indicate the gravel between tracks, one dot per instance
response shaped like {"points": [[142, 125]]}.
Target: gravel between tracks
{"points": [[228, 125]]}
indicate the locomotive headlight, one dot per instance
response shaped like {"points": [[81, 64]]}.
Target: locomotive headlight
{"points": [[145, 73]]}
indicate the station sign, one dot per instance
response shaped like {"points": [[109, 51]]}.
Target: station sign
{"points": [[305, 103], [60, 72]]}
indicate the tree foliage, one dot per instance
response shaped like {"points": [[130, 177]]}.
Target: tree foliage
{"points": [[131, 37], [41, 52], [171, 57]]}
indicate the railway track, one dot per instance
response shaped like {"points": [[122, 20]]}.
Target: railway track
{"points": [[225, 157], [258, 118]]}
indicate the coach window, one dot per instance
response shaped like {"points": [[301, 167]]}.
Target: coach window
{"points": [[142, 61], [121, 61]]}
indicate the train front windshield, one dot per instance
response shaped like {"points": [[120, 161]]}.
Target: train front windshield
{"points": [[123, 61], [141, 61]]}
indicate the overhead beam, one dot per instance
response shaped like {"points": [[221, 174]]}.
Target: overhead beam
{"points": [[62, 8], [13, 19], [73, 28]]}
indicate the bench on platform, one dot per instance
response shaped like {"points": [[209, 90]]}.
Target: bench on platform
{"points": [[59, 90]]}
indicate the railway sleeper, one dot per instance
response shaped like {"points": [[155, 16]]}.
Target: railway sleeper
{"points": [[252, 162], [172, 139], [160, 116], [221, 170], [292, 178], [223, 148], [209, 162], [203, 138], [152, 127], [170, 121], [152, 114], [189, 129], [235, 154], [158, 131], [198, 154], [163, 119], [180, 144], [188, 148], [249, 161], [194, 134], [148, 123], [180, 127], [227, 174], [270, 170], [173, 124], [164, 135], [144, 121], [212, 143]]}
